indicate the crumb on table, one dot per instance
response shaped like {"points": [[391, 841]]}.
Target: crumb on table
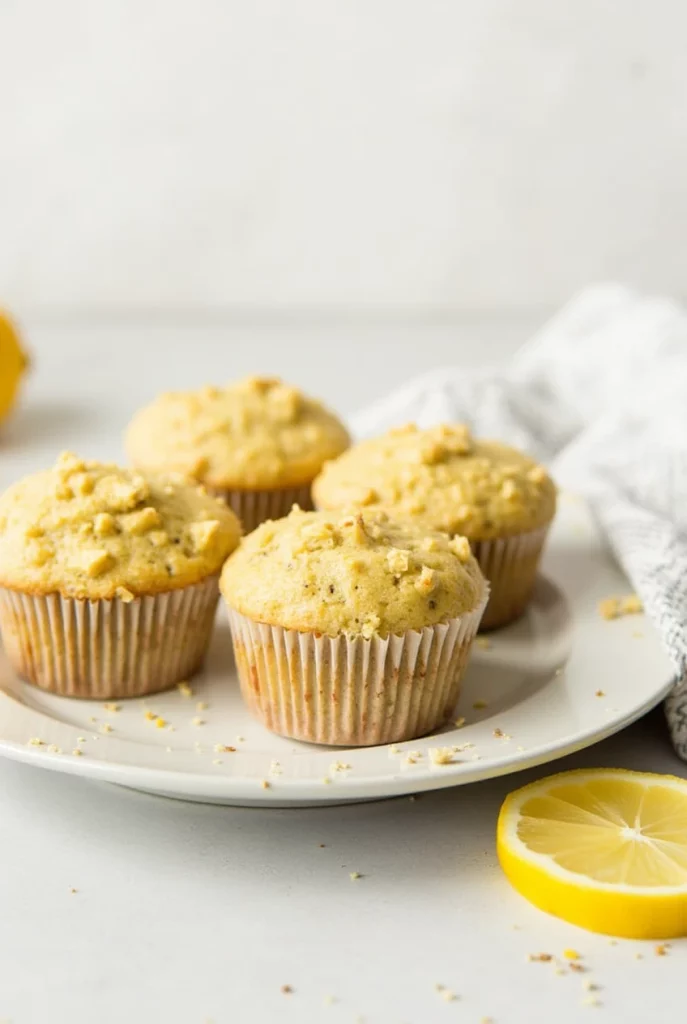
{"points": [[616, 607]]}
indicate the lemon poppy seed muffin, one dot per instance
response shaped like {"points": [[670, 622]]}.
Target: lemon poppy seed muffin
{"points": [[108, 578], [445, 479], [352, 628], [354, 574], [259, 442]]}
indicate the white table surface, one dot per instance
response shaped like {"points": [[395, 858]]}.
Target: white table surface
{"points": [[189, 914]]}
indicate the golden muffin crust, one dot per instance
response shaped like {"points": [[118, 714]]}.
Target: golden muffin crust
{"points": [[360, 574], [443, 478], [94, 530], [254, 434]]}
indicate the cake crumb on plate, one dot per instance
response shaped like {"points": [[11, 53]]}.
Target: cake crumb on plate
{"points": [[441, 755], [616, 607]]}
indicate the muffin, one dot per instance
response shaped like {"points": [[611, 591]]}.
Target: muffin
{"points": [[444, 479], [352, 629], [109, 579], [259, 443]]}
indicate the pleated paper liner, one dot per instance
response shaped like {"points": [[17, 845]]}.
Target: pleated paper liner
{"points": [[108, 648], [254, 507], [510, 564], [349, 691]]}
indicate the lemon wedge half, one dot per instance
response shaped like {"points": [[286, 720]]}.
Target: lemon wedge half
{"points": [[605, 849], [13, 363]]}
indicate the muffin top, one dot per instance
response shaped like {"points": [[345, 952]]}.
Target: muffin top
{"points": [[93, 530], [360, 574], [443, 478], [257, 433]]}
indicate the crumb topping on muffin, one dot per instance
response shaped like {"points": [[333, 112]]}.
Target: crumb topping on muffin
{"points": [[94, 530], [359, 573], [255, 433], [443, 478]]}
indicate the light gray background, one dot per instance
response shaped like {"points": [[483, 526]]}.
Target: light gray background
{"points": [[386, 157]]}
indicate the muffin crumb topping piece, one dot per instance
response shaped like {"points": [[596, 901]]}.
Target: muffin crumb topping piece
{"points": [[398, 561], [104, 524], [426, 581], [461, 547], [203, 535], [39, 554], [97, 562], [141, 522]]}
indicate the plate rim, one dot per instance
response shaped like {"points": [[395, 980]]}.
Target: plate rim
{"points": [[401, 784]]}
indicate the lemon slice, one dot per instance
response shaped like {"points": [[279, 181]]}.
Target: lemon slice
{"points": [[602, 848]]}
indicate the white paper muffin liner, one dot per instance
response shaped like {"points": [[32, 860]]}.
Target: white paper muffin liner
{"points": [[349, 691], [510, 565], [108, 648], [254, 507]]}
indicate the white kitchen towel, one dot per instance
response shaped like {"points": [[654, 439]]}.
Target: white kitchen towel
{"points": [[600, 393]]}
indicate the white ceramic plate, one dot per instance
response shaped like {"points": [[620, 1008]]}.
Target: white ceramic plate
{"points": [[558, 680]]}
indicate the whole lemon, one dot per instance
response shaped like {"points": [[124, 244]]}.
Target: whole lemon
{"points": [[13, 363]]}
